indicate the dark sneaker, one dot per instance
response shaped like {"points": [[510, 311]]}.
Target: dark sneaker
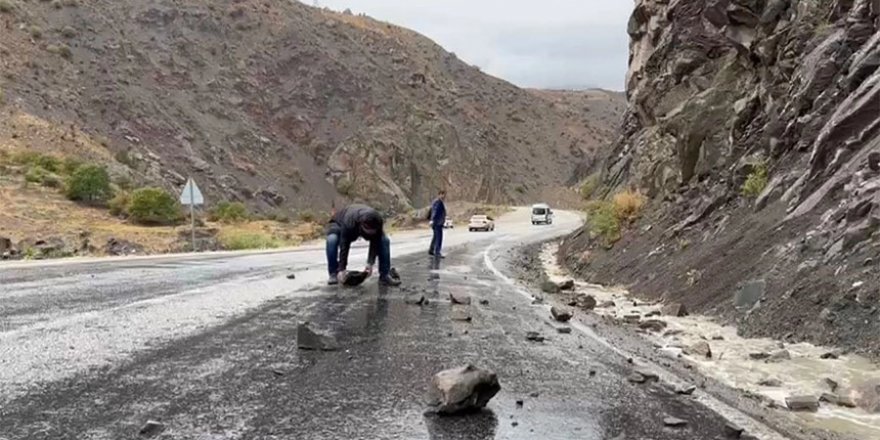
{"points": [[333, 280], [388, 281]]}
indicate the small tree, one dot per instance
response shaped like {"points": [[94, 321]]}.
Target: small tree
{"points": [[89, 183], [153, 206]]}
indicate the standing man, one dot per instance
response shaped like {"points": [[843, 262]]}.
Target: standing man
{"points": [[346, 226], [438, 219]]}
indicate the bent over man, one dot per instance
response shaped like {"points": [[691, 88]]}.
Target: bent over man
{"points": [[346, 226]]}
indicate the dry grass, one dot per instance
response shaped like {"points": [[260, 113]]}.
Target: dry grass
{"points": [[628, 205]]}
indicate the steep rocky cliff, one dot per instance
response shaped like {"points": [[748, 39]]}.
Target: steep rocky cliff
{"points": [[722, 92], [279, 104]]}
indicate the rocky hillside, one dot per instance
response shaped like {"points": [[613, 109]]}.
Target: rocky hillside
{"points": [[279, 104], [753, 128]]}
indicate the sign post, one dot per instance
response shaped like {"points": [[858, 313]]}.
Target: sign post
{"points": [[192, 196]]}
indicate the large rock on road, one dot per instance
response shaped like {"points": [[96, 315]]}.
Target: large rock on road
{"points": [[463, 389]]}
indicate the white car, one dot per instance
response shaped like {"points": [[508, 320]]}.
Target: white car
{"points": [[481, 223], [448, 224], [541, 213]]}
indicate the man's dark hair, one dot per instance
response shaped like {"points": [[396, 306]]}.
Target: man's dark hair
{"points": [[442, 192]]}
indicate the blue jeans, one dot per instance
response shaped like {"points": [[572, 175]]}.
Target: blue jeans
{"points": [[436, 240], [384, 255]]}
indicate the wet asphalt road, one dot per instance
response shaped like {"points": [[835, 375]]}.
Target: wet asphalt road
{"points": [[206, 345]]}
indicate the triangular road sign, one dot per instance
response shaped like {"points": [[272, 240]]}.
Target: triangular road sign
{"points": [[191, 195]]}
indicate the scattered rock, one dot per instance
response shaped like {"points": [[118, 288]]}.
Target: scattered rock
{"points": [[151, 428], [560, 314], [749, 294], [674, 309], [566, 285], [534, 337], [563, 330], [549, 287], [117, 247], [586, 302], [484, 302], [461, 316], [647, 374], [459, 298], [632, 317], [291, 276], [537, 300], [717, 338], [830, 355], [831, 384], [520, 403], [685, 390], [652, 314], [463, 389], [654, 325], [700, 349], [636, 378], [771, 382], [829, 398], [415, 300], [607, 304], [674, 422], [802, 403], [778, 356], [732, 430], [759, 356], [310, 339], [866, 395]]}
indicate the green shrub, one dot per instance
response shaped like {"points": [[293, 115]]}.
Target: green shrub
{"points": [[68, 32], [47, 162], [118, 205], [603, 222], [756, 182], [41, 176], [153, 206], [248, 240], [588, 187], [229, 212], [89, 183], [70, 164], [35, 31], [6, 6]]}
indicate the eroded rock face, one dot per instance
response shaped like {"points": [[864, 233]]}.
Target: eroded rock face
{"points": [[462, 389]]}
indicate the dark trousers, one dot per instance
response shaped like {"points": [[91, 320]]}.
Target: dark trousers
{"points": [[436, 240], [384, 255]]}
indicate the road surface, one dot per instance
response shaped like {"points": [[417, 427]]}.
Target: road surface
{"points": [[206, 345]]}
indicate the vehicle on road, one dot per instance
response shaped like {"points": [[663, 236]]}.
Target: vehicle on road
{"points": [[542, 214], [481, 223], [448, 224]]}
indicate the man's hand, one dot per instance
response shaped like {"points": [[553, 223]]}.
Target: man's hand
{"points": [[369, 271]]}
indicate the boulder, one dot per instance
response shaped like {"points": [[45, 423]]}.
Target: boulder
{"points": [[463, 389], [700, 349], [866, 395], [654, 325], [151, 428], [779, 356], [749, 293], [674, 422], [802, 403], [561, 314], [549, 287], [586, 302], [459, 298], [732, 430], [308, 338], [534, 337], [566, 285], [685, 390], [874, 161], [674, 309], [771, 382]]}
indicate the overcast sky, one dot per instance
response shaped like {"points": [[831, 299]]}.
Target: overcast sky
{"points": [[532, 43]]}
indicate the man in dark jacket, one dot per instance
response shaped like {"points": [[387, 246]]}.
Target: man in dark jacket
{"points": [[438, 220], [346, 226]]}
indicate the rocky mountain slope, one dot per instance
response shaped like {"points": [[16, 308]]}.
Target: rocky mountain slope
{"points": [[753, 128], [281, 105]]}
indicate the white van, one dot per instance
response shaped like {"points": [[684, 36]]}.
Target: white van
{"points": [[541, 213]]}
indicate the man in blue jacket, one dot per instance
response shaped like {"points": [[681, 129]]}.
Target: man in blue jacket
{"points": [[438, 219], [347, 226]]}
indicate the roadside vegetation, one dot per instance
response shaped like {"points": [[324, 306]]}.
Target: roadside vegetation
{"points": [[755, 182], [606, 219], [83, 207]]}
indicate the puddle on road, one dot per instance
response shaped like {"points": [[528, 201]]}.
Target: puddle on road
{"points": [[804, 374]]}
